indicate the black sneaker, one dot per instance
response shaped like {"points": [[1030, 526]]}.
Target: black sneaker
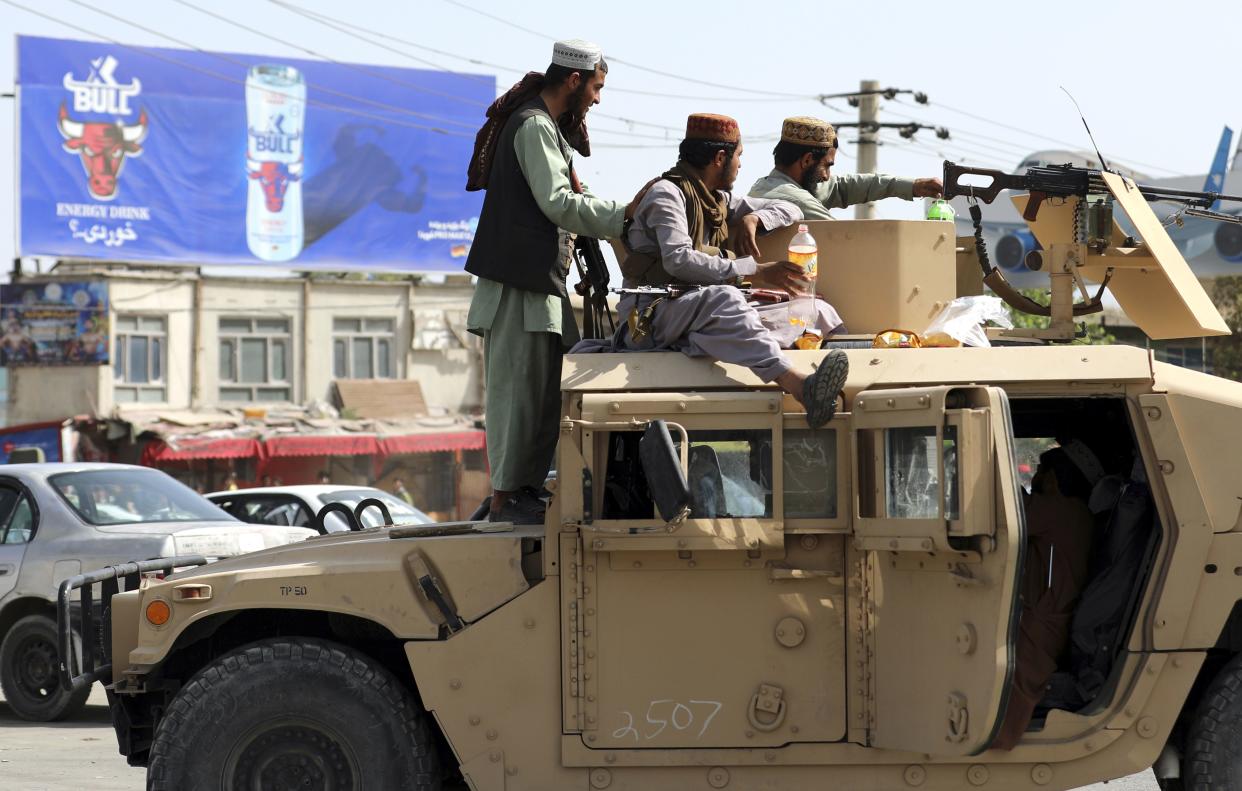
{"points": [[821, 389], [522, 508]]}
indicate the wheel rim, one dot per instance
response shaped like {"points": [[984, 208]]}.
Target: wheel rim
{"points": [[289, 755], [36, 674]]}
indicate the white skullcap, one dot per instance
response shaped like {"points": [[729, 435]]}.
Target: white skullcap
{"points": [[576, 54]]}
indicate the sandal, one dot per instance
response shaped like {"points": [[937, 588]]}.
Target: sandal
{"points": [[821, 388]]}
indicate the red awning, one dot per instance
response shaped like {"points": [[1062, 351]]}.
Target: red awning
{"points": [[203, 448], [322, 445], [432, 443]]}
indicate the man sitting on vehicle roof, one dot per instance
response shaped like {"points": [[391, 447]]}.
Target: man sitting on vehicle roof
{"points": [[679, 238], [803, 174]]}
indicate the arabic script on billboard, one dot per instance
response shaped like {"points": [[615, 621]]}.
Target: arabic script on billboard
{"points": [[161, 155], [54, 324]]}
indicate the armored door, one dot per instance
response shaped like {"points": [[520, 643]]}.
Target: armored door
{"points": [[937, 518], [728, 630]]}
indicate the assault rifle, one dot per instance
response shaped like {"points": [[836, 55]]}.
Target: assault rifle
{"points": [[755, 296], [592, 286]]}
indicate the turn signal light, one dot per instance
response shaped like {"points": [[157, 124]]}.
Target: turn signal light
{"points": [[158, 612]]}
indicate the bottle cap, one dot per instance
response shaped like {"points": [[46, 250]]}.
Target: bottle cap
{"points": [[802, 228]]}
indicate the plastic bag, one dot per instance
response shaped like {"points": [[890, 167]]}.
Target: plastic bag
{"points": [[960, 323]]}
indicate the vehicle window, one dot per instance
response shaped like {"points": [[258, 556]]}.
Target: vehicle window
{"points": [[8, 498], [912, 473], [20, 525], [402, 512], [810, 470], [730, 475], [285, 511], [132, 496]]}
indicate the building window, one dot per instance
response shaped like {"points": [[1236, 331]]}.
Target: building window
{"points": [[255, 360], [140, 359], [363, 348]]}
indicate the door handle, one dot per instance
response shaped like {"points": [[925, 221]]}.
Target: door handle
{"points": [[5, 569]]}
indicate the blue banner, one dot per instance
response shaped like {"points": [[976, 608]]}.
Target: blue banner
{"points": [[163, 155], [46, 438], [54, 323]]}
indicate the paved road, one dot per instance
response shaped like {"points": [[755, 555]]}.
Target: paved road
{"points": [[72, 756]]}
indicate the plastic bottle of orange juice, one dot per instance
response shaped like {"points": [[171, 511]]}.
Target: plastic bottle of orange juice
{"points": [[804, 252]]}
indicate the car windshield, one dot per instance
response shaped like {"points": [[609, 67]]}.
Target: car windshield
{"points": [[402, 512], [115, 497]]}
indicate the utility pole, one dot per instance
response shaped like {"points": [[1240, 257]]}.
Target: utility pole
{"points": [[868, 138]]}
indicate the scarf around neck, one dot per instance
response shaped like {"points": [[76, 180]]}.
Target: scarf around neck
{"points": [[480, 168], [707, 212]]}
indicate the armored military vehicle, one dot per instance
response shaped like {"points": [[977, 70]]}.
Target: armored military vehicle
{"points": [[722, 598]]}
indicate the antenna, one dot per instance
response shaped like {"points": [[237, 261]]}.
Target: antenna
{"points": [[1103, 164]]}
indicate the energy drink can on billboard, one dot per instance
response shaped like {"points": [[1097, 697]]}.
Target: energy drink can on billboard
{"points": [[275, 113]]}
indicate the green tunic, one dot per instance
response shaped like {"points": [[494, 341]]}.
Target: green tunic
{"points": [[525, 333], [835, 193]]}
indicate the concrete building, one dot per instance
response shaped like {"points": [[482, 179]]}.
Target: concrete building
{"points": [[198, 361], [184, 340]]}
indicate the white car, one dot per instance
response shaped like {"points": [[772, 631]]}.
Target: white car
{"points": [[297, 505]]}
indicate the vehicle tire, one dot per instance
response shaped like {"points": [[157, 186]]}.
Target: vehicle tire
{"points": [[293, 713], [1213, 752], [29, 673]]}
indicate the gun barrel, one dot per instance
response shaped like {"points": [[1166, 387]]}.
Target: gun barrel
{"points": [[1184, 196]]}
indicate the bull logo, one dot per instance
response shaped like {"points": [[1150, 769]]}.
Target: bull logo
{"points": [[103, 146], [274, 178]]}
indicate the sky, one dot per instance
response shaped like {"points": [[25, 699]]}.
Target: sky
{"points": [[1146, 79]]}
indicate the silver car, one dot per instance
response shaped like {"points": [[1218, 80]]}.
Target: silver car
{"points": [[58, 519]]}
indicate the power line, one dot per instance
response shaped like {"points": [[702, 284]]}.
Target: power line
{"points": [[632, 65], [310, 52], [356, 31], [227, 78], [1072, 146], [350, 29]]}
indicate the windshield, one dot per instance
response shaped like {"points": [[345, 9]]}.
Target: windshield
{"points": [[402, 512], [115, 497]]}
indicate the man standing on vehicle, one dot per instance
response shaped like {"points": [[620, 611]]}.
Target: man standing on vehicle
{"points": [[680, 238], [521, 255], [803, 174]]}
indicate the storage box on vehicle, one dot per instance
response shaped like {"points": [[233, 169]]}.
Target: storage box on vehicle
{"points": [[880, 274]]}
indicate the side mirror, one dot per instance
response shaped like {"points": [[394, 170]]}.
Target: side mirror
{"points": [[666, 478]]}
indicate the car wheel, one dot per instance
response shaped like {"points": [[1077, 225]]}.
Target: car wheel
{"points": [[29, 673], [1213, 754], [293, 713]]}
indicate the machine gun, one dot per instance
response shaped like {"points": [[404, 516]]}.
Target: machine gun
{"points": [[1063, 181], [1092, 238], [592, 286]]}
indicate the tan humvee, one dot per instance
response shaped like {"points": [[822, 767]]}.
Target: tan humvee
{"points": [[838, 609]]}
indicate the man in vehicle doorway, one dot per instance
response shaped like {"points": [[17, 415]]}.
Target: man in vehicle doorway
{"points": [[680, 237], [1060, 529], [521, 254], [803, 174]]}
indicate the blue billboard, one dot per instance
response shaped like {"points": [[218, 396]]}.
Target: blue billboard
{"points": [[162, 155]]}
